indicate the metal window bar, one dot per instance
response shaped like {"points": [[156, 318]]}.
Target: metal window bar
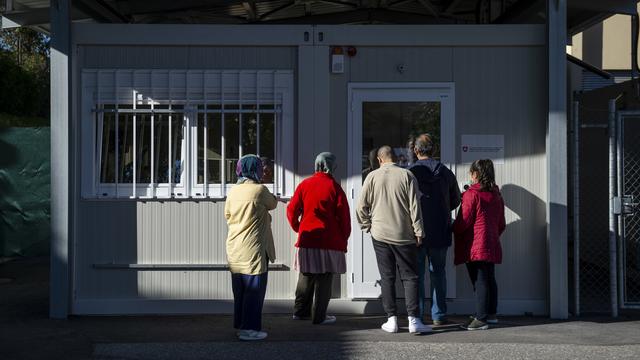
{"points": [[152, 153], [576, 206], [205, 124], [167, 111], [240, 147], [117, 121], [170, 186], [135, 153], [257, 86], [223, 172], [98, 149]]}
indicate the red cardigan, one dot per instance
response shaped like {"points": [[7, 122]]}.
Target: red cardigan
{"points": [[478, 227], [323, 206]]}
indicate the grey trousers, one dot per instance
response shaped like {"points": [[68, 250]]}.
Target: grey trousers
{"points": [[308, 286]]}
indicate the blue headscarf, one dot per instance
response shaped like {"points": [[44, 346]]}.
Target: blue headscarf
{"points": [[249, 167]]}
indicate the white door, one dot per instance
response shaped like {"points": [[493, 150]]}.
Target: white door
{"points": [[389, 114]]}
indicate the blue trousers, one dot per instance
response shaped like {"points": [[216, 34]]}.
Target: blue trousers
{"points": [[248, 298], [437, 258]]}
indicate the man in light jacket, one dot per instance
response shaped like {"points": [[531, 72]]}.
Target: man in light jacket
{"points": [[389, 209]]}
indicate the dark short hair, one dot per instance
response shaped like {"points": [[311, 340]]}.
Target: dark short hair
{"points": [[424, 145], [486, 173]]}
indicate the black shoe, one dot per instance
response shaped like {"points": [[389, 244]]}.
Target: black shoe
{"points": [[466, 323], [477, 325]]}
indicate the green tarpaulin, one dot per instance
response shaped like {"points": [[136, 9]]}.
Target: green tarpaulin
{"points": [[25, 177]]}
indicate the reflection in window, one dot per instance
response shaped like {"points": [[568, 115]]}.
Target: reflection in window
{"points": [[249, 134], [108, 155], [231, 145], [143, 144], [395, 124], [124, 141], [214, 148], [266, 149]]}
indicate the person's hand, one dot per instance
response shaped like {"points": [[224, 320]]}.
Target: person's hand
{"points": [[418, 241]]}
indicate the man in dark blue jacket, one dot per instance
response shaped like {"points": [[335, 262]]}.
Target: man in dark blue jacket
{"points": [[439, 196]]}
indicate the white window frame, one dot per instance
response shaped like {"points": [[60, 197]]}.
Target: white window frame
{"points": [[188, 88]]}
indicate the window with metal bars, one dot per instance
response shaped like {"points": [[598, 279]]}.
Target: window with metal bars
{"points": [[179, 134]]}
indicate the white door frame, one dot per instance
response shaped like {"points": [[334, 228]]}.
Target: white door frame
{"points": [[374, 91]]}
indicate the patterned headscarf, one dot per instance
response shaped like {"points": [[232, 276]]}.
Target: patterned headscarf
{"points": [[249, 167], [326, 162]]}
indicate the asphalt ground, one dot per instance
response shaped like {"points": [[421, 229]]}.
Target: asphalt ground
{"points": [[27, 333]]}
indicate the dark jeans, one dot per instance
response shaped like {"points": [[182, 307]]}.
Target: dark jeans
{"points": [[405, 260], [248, 298], [437, 257], [308, 285], [483, 278]]}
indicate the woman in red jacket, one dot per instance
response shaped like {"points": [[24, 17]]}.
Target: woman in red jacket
{"points": [[477, 231], [319, 213]]}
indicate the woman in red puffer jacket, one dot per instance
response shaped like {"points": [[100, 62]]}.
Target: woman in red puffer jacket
{"points": [[477, 231], [319, 213]]}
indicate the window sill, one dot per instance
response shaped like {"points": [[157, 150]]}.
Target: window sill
{"points": [[183, 267]]}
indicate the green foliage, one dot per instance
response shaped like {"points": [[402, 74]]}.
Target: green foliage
{"points": [[29, 48], [24, 73], [7, 121]]}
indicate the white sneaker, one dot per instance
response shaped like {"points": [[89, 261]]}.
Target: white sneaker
{"points": [[391, 326], [329, 319], [417, 327], [251, 335]]}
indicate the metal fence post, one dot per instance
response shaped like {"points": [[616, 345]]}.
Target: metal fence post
{"points": [[613, 278], [576, 207]]}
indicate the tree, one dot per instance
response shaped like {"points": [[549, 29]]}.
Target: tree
{"points": [[24, 72], [29, 47]]}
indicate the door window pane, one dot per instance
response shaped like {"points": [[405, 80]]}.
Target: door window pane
{"points": [[394, 124]]}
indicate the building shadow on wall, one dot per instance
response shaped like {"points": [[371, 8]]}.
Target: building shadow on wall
{"points": [[526, 259]]}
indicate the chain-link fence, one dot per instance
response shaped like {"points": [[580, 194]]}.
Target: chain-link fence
{"points": [[631, 224], [594, 287]]}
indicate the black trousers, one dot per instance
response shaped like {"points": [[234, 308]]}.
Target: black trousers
{"points": [[405, 259], [483, 278], [308, 286]]}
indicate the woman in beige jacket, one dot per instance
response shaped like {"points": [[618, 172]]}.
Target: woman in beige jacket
{"points": [[249, 245]]}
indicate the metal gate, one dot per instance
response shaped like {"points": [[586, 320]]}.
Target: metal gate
{"points": [[625, 206], [606, 214]]}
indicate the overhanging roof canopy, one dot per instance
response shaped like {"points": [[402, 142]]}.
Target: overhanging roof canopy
{"points": [[580, 13]]}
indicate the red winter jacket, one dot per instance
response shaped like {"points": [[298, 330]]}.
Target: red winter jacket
{"points": [[478, 227], [323, 206]]}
